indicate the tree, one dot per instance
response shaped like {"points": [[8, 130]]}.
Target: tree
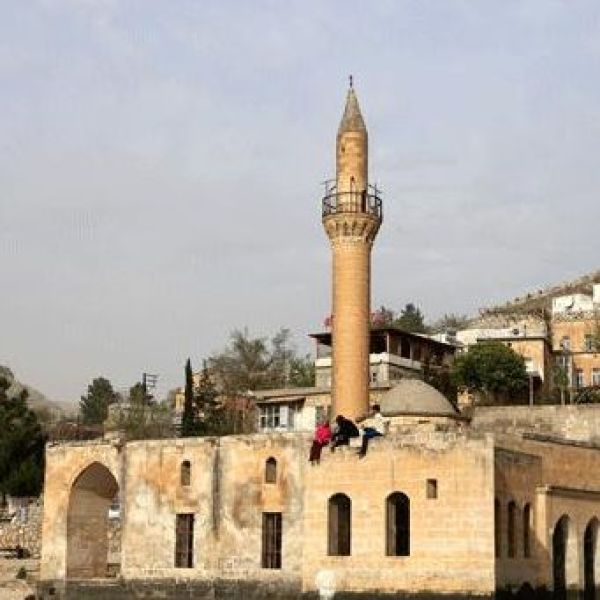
{"points": [[141, 418], [383, 317], [411, 319], [560, 378], [302, 371], [215, 417], [257, 363], [21, 445], [493, 370], [189, 424], [94, 406], [451, 321]]}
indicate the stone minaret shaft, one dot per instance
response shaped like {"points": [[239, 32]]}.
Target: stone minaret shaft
{"points": [[351, 216]]}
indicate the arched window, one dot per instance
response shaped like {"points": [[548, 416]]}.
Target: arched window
{"points": [[271, 470], [497, 529], [339, 525], [559, 557], [397, 519], [186, 472], [590, 560], [512, 539], [527, 531]]}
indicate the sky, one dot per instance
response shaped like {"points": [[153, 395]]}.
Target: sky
{"points": [[161, 166]]}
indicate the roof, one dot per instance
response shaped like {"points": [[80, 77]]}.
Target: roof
{"points": [[325, 336], [298, 394], [415, 397], [352, 119]]}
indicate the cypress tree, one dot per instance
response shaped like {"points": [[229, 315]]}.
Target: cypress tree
{"points": [[188, 419]]}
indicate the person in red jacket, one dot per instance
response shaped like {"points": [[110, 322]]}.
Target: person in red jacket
{"points": [[321, 439]]}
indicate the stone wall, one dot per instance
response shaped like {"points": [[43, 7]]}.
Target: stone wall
{"points": [[451, 531], [25, 529], [576, 422]]}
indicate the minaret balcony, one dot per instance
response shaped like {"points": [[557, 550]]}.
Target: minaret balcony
{"points": [[366, 203]]}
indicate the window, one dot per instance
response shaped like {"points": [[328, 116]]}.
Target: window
{"points": [[186, 473], [588, 343], [269, 416], [596, 377], [397, 518], [432, 488], [184, 541], [497, 529], [339, 525], [579, 378], [565, 343], [271, 470], [271, 541], [512, 515], [321, 414], [527, 531]]}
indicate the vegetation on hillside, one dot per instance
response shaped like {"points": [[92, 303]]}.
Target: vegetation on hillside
{"points": [[21, 445]]}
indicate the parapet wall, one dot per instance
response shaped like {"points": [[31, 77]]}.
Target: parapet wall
{"points": [[576, 422]]}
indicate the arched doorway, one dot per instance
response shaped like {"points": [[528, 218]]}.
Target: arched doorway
{"points": [[565, 558], [590, 560], [88, 524]]}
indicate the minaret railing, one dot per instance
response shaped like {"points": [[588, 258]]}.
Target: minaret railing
{"points": [[364, 202]]}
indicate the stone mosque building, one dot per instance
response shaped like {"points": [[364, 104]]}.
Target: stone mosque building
{"points": [[505, 500]]}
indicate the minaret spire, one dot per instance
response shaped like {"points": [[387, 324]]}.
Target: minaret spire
{"points": [[352, 119]]}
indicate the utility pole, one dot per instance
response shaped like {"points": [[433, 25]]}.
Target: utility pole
{"points": [[148, 384]]}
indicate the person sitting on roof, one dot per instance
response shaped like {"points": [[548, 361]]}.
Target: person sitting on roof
{"points": [[344, 430], [375, 425], [321, 439]]}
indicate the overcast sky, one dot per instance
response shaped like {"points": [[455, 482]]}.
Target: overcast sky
{"points": [[161, 161]]}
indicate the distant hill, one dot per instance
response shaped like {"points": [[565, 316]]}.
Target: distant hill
{"points": [[35, 399]]}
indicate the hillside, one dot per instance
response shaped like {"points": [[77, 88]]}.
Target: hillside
{"points": [[35, 399], [540, 301]]}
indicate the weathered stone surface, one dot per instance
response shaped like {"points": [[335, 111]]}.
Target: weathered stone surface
{"points": [[24, 529]]}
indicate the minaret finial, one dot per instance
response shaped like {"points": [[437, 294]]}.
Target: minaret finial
{"points": [[351, 81]]}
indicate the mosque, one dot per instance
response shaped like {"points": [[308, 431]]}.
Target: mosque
{"points": [[503, 501]]}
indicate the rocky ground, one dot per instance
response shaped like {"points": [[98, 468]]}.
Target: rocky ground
{"points": [[12, 588]]}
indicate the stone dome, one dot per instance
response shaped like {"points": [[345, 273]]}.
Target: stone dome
{"points": [[415, 397]]}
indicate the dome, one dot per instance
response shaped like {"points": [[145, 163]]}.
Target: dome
{"points": [[415, 397]]}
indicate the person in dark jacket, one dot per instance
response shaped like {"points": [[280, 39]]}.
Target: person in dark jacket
{"points": [[344, 430]]}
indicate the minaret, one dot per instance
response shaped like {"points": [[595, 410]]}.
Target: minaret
{"points": [[352, 214]]}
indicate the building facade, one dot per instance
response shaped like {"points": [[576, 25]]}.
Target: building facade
{"points": [[441, 505]]}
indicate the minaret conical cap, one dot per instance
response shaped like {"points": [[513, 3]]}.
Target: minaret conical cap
{"points": [[352, 119]]}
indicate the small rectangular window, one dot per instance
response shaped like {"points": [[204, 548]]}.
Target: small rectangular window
{"points": [[588, 343], [271, 541], [432, 489], [579, 378], [184, 541], [596, 377]]}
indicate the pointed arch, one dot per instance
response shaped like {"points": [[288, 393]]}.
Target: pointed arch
{"points": [[565, 558], [90, 499]]}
